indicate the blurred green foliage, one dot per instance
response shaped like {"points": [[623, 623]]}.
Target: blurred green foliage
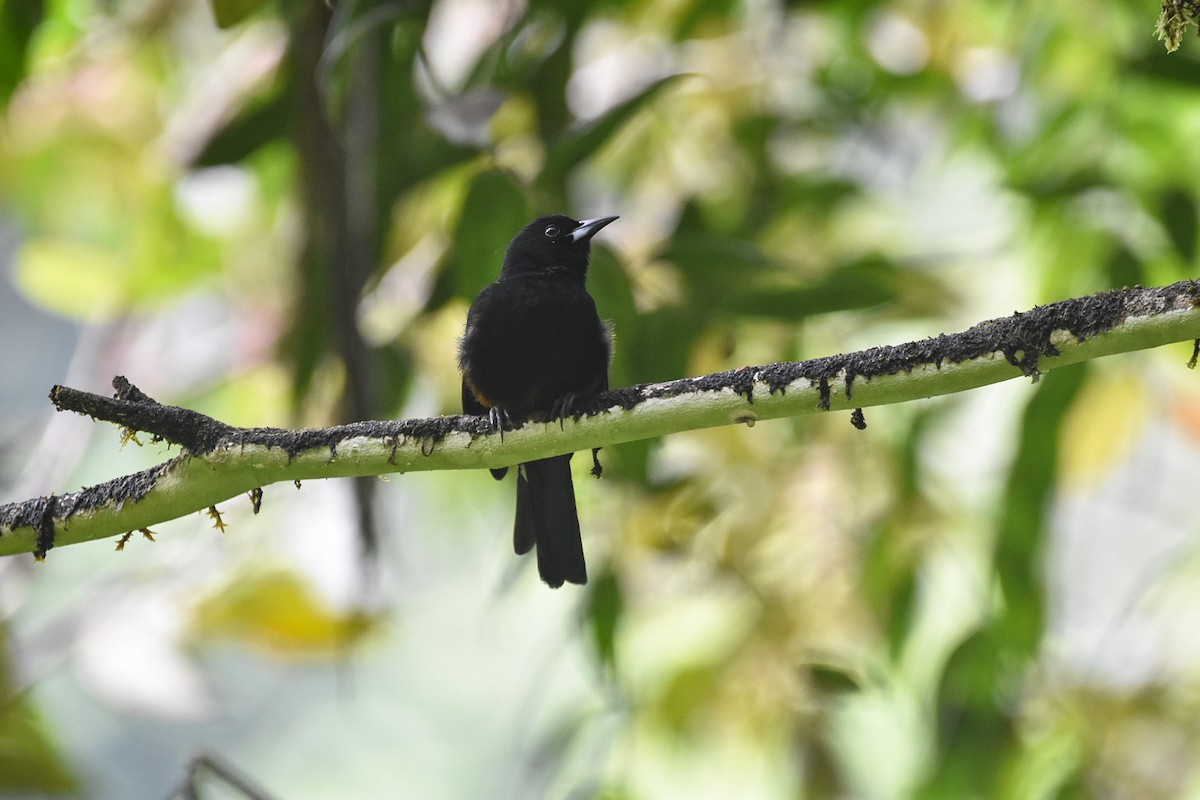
{"points": [[794, 179], [29, 761]]}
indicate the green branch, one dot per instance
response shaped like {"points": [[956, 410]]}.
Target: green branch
{"points": [[221, 462]]}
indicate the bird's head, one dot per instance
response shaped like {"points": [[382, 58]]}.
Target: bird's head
{"points": [[553, 242]]}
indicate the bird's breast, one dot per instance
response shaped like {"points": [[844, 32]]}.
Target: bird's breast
{"points": [[530, 340]]}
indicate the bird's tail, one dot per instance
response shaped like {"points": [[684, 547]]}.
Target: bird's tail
{"points": [[546, 518]]}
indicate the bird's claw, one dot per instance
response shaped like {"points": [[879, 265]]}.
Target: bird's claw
{"points": [[562, 408], [498, 419]]}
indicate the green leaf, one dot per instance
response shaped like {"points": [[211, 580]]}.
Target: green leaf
{"points": [[859, 284], [718, 14], [307, 341], [255, 126], [396, 373], [971, 676], [714, 254], [29, 760], [905, 601], [231, 12], [19, 20], [1026, 500], [984, 673], [610, 288], [1179, 215], [975, 748], [605, 608], [975, 730], [657, 349], [494, 209], [1123, 267], [1183, 71], [573, 147], [713, 265], [548, 69], [834, 679]]}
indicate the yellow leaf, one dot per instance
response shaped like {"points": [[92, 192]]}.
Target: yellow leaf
{"points": [[72, 278], [1102, 428], [277, 610]]}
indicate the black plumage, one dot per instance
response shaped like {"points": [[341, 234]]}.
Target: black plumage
{"points": [[535, 343]]}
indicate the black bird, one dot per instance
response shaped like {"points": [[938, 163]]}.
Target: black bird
{"points": [[534, 343]]}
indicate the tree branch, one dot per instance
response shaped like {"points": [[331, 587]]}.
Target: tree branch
{"points": [[219, 461]]}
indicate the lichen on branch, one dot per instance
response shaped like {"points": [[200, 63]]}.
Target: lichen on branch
{"points": [[219, 461]]}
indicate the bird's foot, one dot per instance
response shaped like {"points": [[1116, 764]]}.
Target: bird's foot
{"points": [[499, 420], [563, 407]]}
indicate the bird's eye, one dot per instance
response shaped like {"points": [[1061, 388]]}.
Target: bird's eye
{"points": [[552, 231]]}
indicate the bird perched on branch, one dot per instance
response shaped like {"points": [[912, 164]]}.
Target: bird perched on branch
{"points": [[534, 343]]}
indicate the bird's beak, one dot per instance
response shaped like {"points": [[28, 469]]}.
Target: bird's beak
{"points": [[589, 228]]}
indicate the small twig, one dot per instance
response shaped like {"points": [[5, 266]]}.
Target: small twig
{"points": [[216, 768], [134, 411]]}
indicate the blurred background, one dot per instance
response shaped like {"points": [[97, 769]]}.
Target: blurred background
{"points": [[276, 212]]}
